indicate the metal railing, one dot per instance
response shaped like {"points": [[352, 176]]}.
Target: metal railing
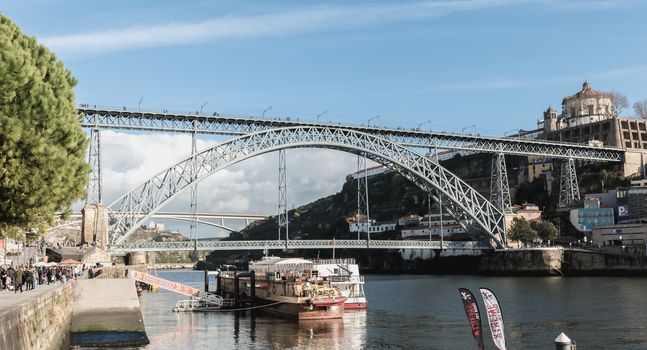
{"points": [[301, 244]]}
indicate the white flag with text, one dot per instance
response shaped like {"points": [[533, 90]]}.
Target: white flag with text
{"points": [[494, 317]]}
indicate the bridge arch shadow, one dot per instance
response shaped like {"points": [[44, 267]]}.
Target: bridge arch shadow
{"points": [[468, 206]]}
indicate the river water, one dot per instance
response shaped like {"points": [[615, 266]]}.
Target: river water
{"points": [[421, 312]]}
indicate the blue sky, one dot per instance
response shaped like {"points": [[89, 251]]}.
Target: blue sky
{"points": [[494, 63], [497, 64]]}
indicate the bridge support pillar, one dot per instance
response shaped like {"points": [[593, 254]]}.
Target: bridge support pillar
{"points": [[569, 191], [137, 258], [94, 194], [283, 198], [94, 226], [193, 224], [362, 198], [499, 188]]}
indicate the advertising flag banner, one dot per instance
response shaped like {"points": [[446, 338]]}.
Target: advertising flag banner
{"points": [[473, 315], [494, 317]]}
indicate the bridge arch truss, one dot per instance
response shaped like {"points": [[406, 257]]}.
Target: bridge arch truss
{"points": [[465, 204]]}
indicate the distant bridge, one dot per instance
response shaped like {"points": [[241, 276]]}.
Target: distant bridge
{"points": [[182, 217]]}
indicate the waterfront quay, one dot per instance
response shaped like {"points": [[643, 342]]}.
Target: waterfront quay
{"points": [[102, 311]]}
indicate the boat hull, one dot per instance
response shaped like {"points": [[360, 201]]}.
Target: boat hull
{"points": [[301, 311], [354, 306]]}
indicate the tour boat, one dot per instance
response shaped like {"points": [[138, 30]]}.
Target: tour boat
{"points": [[344, 274], [286, 287]]}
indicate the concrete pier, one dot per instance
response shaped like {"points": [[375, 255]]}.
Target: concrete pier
{"points": [[107, 313]]}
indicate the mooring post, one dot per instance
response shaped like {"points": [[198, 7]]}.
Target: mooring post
{"points": [[206, 280], [252, 292], [562, 342], [236, 290], [218, 287]]}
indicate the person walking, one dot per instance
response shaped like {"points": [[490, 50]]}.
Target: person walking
{"points": [[41, 275], [34, 277], [25, 278], [18, 280]]}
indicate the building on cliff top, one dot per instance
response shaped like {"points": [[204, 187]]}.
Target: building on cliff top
{"points": [[590, 116]]}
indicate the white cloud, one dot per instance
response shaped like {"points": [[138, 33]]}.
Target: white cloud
{"points": [[263, 26], [249, 187]]}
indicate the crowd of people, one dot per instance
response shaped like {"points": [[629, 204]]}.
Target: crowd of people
{"points": [[29, 277]]}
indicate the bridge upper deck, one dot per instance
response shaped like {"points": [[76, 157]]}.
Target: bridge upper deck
{"points": [[126, 119]]}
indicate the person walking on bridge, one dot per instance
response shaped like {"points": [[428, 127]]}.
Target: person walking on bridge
{"points": [[18, 280]]}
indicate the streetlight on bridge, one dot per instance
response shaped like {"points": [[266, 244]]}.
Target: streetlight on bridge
{"points": [[201, 107], [139, 104], [320, 114], [266, 109], [371, 119], [468, 127], [425, 122]]}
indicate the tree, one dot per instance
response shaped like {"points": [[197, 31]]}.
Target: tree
{"points": [[619, 100], [42, 145], [545, 229], [640, 108], [521, 231]]}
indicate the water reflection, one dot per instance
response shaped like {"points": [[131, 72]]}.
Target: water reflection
{"points": [[314, 334]]}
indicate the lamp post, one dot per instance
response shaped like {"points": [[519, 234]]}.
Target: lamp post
{"points": [[518, 131], [425, 122], [201, 107], [468, 127], [320, 114], [266, 109], [139, 104], [371, 119]]}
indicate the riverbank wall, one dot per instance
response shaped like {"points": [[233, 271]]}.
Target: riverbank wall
{"points": [[523, 262], [553, 261], [40, 321]]}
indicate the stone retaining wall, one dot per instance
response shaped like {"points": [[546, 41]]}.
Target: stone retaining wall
{"points": [[118, 271], [561, 262], [42, 323], [524, 262]]}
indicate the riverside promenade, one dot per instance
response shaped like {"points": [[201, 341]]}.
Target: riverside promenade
{"points": [[10, 300], [36, 319]]}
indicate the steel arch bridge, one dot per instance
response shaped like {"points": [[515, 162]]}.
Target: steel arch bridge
{"points": [[465, 204]]}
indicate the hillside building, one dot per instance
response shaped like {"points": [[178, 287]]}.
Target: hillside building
{"points": [[589, 116], [371, 226], [621, 234], [592, 215]]}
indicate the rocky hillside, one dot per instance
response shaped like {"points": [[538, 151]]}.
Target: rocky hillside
{"points": [[392, 196]]}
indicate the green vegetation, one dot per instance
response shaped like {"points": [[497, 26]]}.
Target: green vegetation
{"points": [[521, 231], [42, 146], [545, 229]]}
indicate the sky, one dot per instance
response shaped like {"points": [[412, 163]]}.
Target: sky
{"points": [[495, 64]]}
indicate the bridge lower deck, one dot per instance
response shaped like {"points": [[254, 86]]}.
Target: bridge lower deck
{"points": [[295, 244]]}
